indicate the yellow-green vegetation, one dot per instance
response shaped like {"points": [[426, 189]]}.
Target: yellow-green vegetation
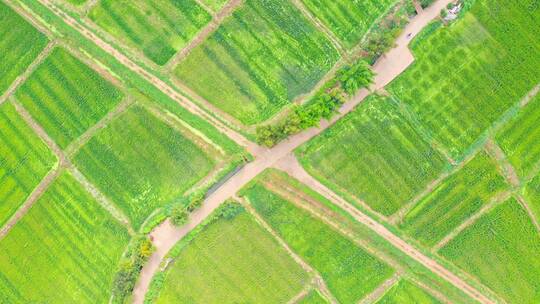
{"points": [[231, 259], [532, 196], [20, 44], [405, 292], [64, 250], [519, 139], [258, 60], [501, 249], [375, 153], [24, 161], [142, 164], [67, 97], [313, 297], [468, 74], [214, 5], [454, 200], [347, 269], [158, 28], [349, 20]]}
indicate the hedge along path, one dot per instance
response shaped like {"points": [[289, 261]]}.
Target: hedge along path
{"points": [[21, 78], [212, 26], [64, 162], [158, 83], [317, 279]]}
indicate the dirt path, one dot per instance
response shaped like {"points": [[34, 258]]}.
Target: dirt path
{"points": [[160, 84], [380, 290]]}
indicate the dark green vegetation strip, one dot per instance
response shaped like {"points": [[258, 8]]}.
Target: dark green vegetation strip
{"points": [[349, 272], [468, 74], [405, 292], [232, 260], [519, 139], [158, 28], [457, 198], [376, 154], [65, 250], [260, 59], [141, 164], [20, 44], [501, 249], [349, 20], [66, 97], [24, 161]]}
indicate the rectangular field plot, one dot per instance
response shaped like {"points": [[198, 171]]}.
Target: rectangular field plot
{"points": [[347, 269], [158, 28], [405, 292], [20, 44], [376, 154], [501, 250], [454, 200], [468, 74], [349, 20], [520, 137], [24, 161], [65, 250], [231, 260], [66, 97], [142, 164], [532, 196], [260, 59]]}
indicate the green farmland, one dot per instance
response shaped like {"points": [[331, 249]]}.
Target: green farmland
{"points": [[313, 297], [239, 260], [214, 5], [65, 250], [518, 139], [501, 249], [142, 164], [20, 44], [468, 74], [532, 196], [157, 28], [259, 60], [66, 97], [349, 20], [405, 292], [348, 270], [24, 161], [454, 200], [375, 154]]}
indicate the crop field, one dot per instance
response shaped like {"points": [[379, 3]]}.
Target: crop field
{"points": [[376, 154], [66, 97], [20, 44], [141, 163], [214, 5], [24, 161], [313, 297], [158, 28], [454, 200], [65, 250], [519, 137], [468, 74], [406, 292], [349, 20], [238, 259], [532, 195], [349, 272], [259, 60], [77, 2], [501, 249]]}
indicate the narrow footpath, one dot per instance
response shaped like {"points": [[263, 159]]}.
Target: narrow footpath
{"points": [[387, 68]]}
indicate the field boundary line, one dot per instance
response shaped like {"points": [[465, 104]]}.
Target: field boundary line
{"points": [[318, 280], [78, 143], [19, 80], [206, 7], [65, 162], [154, 80], [30, 200], [395, 240], [435, 293], [204, 33], [88, 6], [321, 27], [494, 202], [381, 289], [509, 173], [302, 294]]}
